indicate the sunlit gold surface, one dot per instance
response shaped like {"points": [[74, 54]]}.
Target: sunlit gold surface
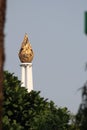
{"points": [[26, 53]]}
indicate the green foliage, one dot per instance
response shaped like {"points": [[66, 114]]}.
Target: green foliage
{"points": [[30, 111], [53, 118], [81, 117]]}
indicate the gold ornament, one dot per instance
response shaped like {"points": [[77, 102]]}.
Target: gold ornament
{"points": [[26, 53]]}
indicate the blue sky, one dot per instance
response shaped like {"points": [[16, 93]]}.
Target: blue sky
{"points": [[56, 32]]}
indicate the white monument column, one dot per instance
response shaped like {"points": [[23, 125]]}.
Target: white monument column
{"points": [[22, 74], [29, 77], [26, 56]]}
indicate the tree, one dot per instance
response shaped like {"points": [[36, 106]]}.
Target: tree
{"points": [[81, 117], [2, 23], [30, 111]]}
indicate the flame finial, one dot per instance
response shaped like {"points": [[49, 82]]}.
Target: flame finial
{"points": [[26, 53]]}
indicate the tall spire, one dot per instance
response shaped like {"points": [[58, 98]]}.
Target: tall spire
{"points": [[26, 55]]}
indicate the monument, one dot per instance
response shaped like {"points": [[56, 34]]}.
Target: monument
{"points": [[26, 55]]}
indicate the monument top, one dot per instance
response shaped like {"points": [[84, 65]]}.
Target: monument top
{"points": [[26, 53]]}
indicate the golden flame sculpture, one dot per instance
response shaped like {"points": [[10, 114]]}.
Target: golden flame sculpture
{"points": [[26, 53]]}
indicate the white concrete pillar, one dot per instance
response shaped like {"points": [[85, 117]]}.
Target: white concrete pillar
{"points": [[22, 75], [26, 76], [29, 77]]}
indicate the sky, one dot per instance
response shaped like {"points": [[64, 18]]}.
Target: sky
{"points": [[56, 33]]}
